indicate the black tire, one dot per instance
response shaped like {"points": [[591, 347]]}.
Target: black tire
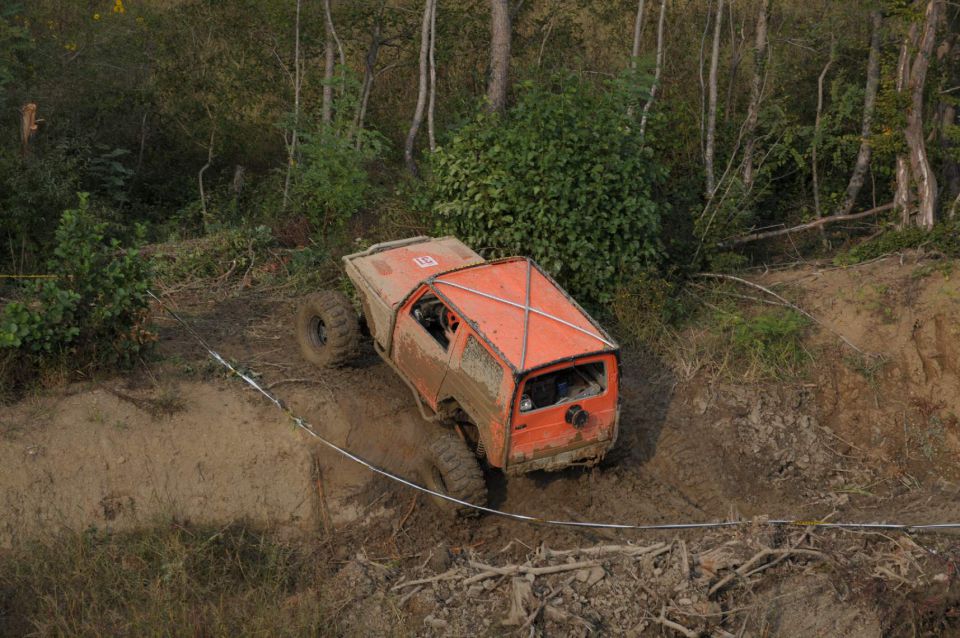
{"points": [[452, 469], [328, 329]]}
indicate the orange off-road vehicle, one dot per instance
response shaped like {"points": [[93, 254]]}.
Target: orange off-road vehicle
{"points": [[522, 376]]}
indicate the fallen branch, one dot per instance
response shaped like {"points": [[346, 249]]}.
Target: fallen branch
{"points": [[743, 239], [663, 621], [489, 571], [600, 550], [447, 575], [712, 275], [747, 568]]}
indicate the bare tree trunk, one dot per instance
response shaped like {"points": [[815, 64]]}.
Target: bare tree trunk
{"points": [[499, 55], [659, 66], [869, 102], [328, 15], [756, 94], [369, 74], [28, 126], [904, 198], [921, 173], [736, 56], [203, 169], [422, 90], [637, 30], [635, 51], [329, 61], [710, 147], [816, 134], [948, 57], [292, 146], [703, 86], [432, 101]]}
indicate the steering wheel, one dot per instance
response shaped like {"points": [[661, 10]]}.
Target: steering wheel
{"points": [[449, 319]]}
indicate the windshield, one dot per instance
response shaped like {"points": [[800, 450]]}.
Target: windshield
{"points": [[563, 386]]}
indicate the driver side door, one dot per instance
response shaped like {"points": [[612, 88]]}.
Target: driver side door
{"points": [[423, 340]]}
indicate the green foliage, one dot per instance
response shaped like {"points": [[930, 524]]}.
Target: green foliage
{"points": [[14, 41], [331, 182], [33, 191], [95, 309], [564, 177], [771, 341], [945, 237], [647, 307], [171, 580]]}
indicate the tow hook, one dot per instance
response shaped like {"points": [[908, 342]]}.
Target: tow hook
{"points": [[577, 416]]}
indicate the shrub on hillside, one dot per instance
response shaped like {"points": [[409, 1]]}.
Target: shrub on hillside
{"points": [[94, 309], [331, 182], [564, 177]]}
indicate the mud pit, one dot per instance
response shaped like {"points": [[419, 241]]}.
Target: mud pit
{"points": [[180, 440]]}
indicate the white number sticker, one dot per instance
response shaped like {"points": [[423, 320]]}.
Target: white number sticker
{"points": [[425, 262]]}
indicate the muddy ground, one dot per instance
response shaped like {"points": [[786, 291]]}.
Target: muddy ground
{"points": [[864, 436]]}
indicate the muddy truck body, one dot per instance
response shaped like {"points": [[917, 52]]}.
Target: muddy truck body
{"points": [[496, 350]]}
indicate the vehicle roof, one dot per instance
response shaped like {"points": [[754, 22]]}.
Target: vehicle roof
{"points": [[394, 269], [491, 297]]}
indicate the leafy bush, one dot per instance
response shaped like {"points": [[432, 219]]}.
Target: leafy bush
{"points": [[944, 237], [564, 177], [93, 311], [331, 182]]}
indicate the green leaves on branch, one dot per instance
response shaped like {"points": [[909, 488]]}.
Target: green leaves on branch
{"points": [[331, 182], [563, 177], [95, 309]]}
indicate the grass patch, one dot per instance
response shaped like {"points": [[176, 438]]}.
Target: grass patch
{"points": [[768, 344], [944, 237], [697, 327], [172, 580]]}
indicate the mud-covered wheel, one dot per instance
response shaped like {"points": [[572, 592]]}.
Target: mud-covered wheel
{"points": [[452, 469], [328, 329]]}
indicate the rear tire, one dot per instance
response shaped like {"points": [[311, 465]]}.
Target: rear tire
{"points": [[452, 469], [328, 329]]}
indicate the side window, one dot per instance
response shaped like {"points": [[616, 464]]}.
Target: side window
{"points": [[480, 365], [438, 320]]}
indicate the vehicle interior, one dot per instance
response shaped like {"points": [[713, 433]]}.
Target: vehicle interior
{"points": [[563, 386], [436, 318]]}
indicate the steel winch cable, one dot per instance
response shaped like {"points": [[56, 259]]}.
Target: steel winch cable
{"points": [[306, 427]]}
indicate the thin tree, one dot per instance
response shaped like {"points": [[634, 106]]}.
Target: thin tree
{"points": [[920, 171], [711, 133], [904, 197], [817, 126], [328, 18], [329, 63], [432, 101], [659, 65], [635, 51], [369, 75], [869, 104], [422, 88], [637, 31], [292, 143], [756, 94], [703, 86], [499, 55]]}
